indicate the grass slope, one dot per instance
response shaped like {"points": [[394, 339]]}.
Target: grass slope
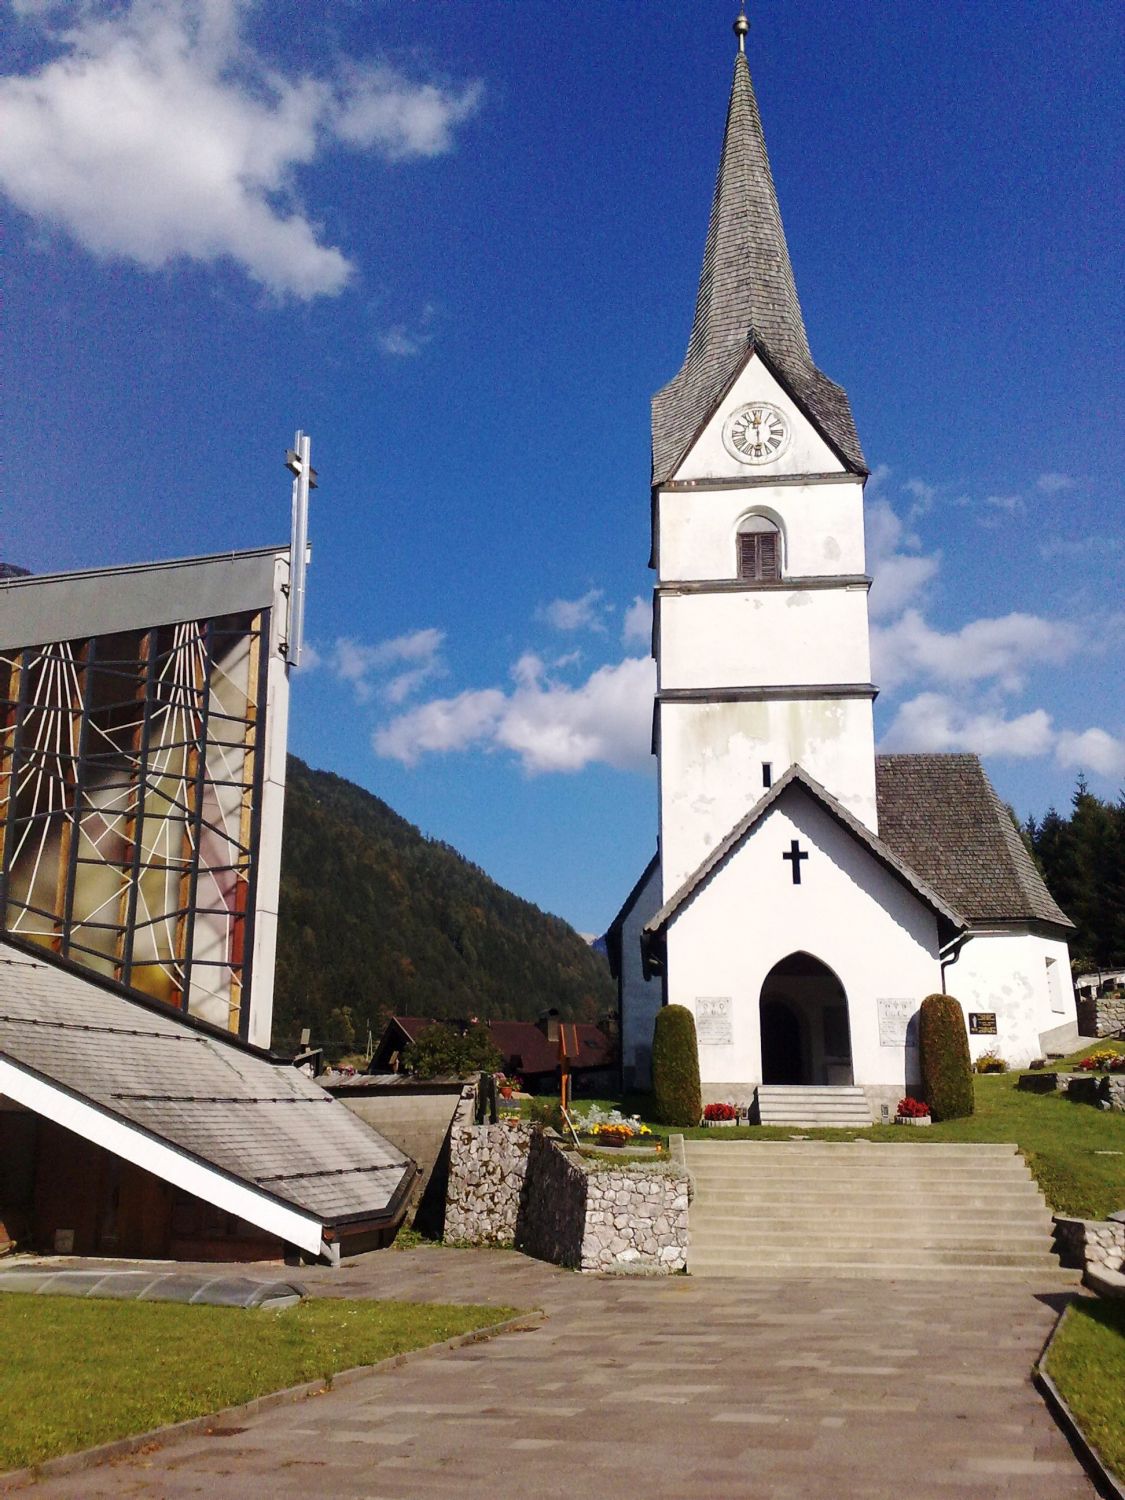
{"points": [[78, 1373], [377, 920], [1087, 1363]]}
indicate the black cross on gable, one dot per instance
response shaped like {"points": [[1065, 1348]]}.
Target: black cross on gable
{"points": [[795, 854]]}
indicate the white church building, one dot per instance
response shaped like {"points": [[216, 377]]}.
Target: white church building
{"points": [[806, 893]]}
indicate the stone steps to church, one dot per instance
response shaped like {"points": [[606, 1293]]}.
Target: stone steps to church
{"points": [[903, 1270], [799, 1207], [1022, 1213], [883, 1258], [837, 1151], [979, 1178], [836, 1236], [810, 1106]]}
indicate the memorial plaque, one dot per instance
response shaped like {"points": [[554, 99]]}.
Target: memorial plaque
{"points": [[713, 1021], [982, 1022], [898, 1023]]}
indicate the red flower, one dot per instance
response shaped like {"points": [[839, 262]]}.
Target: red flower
{"points": [[912, 1109], [720, 1112]]}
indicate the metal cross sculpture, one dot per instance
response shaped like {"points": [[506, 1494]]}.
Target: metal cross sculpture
{"points": [[304, 480]]}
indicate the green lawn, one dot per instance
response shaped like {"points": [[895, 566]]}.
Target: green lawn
{"points": [[1087, 1363], [1076, 1152], [76, 1373]]}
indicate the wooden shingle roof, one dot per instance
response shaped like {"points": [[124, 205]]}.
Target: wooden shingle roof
{"points": [[941, 815], [747, 300]]}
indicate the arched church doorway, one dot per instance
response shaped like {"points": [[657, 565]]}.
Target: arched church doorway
{"points": [[803, 1011]]}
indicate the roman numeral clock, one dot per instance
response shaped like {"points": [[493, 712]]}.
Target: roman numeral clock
{"points": [[756, 433]]}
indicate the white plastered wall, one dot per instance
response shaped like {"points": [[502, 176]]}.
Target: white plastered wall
{"points": [[641, 998], [711, 757], [1005, 973], [806, 453], [821, 527], [849, 912], [758, 638]]}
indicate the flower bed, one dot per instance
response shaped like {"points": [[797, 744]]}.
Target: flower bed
{"points": [[1105, 1060], [912, 1112], [720, 1114]]}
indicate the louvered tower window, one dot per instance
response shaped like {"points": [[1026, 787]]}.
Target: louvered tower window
{"points": [[759, 550]]}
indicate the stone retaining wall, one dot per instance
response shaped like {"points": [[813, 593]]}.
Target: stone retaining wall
{"points": [[487, 1167], [1091, 1244], [511, 1185], [1104, 1090], [1101, 1017]]}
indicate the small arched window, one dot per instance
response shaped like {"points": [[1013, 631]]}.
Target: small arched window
{"points": [[759, 549]]}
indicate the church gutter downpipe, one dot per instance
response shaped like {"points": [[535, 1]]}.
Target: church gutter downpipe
{"points": [[953, 950]]}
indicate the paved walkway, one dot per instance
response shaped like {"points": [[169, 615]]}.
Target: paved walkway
{"points": [[663, 1390]]}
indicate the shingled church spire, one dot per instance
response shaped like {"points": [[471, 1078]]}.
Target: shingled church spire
{"points": [[747, 299]]}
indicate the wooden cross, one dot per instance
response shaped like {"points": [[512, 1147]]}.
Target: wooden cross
{"points": [[795, 854]]}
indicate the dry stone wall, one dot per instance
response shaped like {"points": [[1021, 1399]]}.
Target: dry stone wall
{"points": [[1104, 1016], [487, 1167], [509, 1185], [1091, 1244]]}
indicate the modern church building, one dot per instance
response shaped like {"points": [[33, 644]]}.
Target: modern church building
{"points": [[142, 776], [806, 893]]}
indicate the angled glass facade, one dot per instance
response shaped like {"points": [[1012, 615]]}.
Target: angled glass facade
{"points": [[130, 798]]}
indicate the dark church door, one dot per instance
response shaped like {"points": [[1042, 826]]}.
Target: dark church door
{"points": [[781, 1044]]}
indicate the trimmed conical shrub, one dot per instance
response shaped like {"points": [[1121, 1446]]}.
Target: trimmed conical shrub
{"points": [[675, 1067], [943, 1054]]}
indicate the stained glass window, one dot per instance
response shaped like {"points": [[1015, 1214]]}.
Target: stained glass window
{"points": [[130, 785]]}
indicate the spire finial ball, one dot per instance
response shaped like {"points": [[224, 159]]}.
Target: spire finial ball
{"points": [[740, 28]]}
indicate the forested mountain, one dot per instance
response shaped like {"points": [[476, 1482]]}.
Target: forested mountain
{"points": [[377, 920], [1083, 862]]}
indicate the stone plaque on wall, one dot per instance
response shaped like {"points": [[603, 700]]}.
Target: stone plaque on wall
{"points": [[713, 1021], [982, 1022], [898, 1023]]}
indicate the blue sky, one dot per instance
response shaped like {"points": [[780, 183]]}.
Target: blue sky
{"points": [[459, 244]]}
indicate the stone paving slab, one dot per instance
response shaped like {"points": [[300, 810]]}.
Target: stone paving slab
{"points": [[663, 1389]]}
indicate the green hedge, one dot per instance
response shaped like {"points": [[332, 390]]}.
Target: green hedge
{"points": [[675, 1068], [943, 1048]]}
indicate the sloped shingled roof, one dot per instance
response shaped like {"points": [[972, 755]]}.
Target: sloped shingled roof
{"points": [[941, 815], [747, 299], [232, 1107]]}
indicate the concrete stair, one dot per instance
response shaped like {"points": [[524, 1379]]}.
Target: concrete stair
{"points": [[784, 1104], [825, 1208]]}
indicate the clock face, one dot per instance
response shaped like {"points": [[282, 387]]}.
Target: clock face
{"points": [[756, 433]]}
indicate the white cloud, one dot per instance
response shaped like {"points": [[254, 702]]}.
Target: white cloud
{"points": [[400, 118], [1055, 484], [445, 724], [548, 725], [407, 340], [356, 663], [923, 495], [158, 134], [899, 570], [576, 614], [1002, 648], [637, 625], [935, 722], [1009, 505], [1092, 750]]}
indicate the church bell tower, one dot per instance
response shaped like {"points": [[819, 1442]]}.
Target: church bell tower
{"points": [[761, 630]]}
